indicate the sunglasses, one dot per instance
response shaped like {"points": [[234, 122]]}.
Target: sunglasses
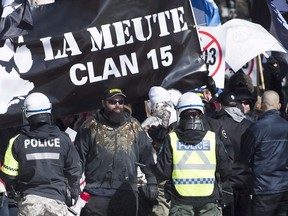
{"points": [[113, 102], [245, 102]]}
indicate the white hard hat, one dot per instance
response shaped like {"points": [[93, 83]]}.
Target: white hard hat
{"points": [[36, 103], [190, 100]]}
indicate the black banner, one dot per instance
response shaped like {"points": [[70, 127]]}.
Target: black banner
{"points": [[77, 49]]}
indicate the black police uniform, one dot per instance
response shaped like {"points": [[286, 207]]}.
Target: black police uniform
{"points": [[46, 157]]}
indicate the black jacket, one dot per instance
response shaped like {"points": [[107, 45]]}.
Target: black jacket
{"points": [[266, 148], [110, 153], [165, 165], [230, 132], [46, 157]]}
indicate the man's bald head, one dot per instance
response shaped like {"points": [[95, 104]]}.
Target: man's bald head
{"points": [[270, 100]]}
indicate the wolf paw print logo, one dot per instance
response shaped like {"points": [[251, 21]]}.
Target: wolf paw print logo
{"points": [[14, 61]]}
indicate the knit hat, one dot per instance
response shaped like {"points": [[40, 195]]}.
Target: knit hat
{"points": [[174, 95], [158, 94], [109, 93]]}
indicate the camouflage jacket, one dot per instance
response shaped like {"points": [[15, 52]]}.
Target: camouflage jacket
{"points": [[110, 154]]}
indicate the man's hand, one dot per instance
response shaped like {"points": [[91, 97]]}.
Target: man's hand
{"points": [[211, 85], [157, 133], [75, 191], [151, 191]]}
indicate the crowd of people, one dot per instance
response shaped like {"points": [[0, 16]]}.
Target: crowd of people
{"points": [[206, 151], [202, 152]]}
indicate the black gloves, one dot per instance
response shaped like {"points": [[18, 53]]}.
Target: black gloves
{"points": [[75, 191], [211, 86], [151, 191], [157, 133], [12, 192], [168, 190]]}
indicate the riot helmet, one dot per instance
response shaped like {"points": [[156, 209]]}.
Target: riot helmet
{"points": [[37, 109], [191, 112]]}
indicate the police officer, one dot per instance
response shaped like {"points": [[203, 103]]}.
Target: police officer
{"points": [[39, 160], [195, 159], [112, 144]]}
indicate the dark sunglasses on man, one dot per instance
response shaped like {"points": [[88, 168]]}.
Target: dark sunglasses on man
{"points": [[245, 102], [114, 102]]}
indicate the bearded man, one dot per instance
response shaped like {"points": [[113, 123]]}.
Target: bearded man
{"points": [[111, 145]]}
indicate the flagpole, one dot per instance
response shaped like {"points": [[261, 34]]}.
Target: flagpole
{"points": [[260, 76]]}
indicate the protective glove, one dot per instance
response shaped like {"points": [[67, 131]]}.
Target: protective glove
{"points": [[211, 85], [75, 191], [13, 193], [168, 190], [157, 133], [151, 191]]}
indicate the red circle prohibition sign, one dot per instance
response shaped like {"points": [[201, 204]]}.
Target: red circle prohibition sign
{"points": [[213, 40], [251, 68]]}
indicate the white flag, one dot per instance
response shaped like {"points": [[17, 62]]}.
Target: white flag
{"points": [[245, 40]]}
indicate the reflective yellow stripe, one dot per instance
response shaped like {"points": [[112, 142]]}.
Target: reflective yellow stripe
{"points": [[10, 166], [194, 166]]}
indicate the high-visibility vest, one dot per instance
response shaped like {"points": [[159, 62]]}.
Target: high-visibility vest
{"points": [[10, 166], [194, 166]]}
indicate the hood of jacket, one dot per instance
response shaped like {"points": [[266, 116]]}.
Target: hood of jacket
{"points": [[42, 132]]}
